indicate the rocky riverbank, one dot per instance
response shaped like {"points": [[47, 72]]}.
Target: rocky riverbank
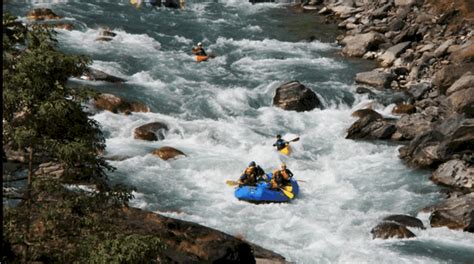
{"points": [[425, 51]]}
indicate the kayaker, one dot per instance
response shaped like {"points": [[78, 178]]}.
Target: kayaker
{"points": [[280, 143], [199, 50], [252, 174], [281, 177]]}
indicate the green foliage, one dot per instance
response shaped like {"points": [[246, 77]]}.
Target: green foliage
{"points": [[123, 249], [40, 111]]}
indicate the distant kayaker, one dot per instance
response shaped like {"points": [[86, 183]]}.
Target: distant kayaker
{"points": [[252, 174], [281, 177], [280, 143], [199, 50]]}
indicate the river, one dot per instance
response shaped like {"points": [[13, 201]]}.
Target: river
{"points": [[220, 114]]}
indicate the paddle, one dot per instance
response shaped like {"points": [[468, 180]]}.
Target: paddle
{"points": [[295, 139], [288, 193], [232, 183]]}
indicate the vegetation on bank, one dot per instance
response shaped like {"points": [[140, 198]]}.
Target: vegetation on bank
{"points": [[55, 221]]}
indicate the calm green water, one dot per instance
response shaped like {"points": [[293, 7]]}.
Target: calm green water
{"points": [[220, 114]]}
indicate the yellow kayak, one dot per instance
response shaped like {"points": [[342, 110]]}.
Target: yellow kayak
{"points": [[286, 150]]}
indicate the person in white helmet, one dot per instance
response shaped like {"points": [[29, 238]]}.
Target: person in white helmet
{"points": [[199, 50]]}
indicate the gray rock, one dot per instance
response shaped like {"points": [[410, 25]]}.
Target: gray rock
{"points": [[441, 50], [466, 81], [370, 125], [405, 2], [412, 125], [463, 101], [359, 44], [294, 96], [455, 213], [405, 220], [375, 78], [116, 104], [454, 173], [463, 55], [392, 53], [386, 230], [419, 89], [446, 76], [97, 75]]}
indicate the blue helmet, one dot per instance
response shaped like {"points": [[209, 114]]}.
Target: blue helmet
{"points": [[252, 164]]}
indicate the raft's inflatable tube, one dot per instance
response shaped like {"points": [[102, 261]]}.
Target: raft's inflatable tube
{"points": [[262, 193], [201, 58]]}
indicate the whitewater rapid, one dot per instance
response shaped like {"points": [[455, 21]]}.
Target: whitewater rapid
{"points": [[220, 114]]}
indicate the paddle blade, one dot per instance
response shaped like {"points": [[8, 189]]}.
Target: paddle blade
{"points": [[287, 193], [288, 188], [295, 139], [231, 183]]}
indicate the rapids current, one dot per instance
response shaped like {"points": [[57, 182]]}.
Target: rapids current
{"points": [[220, 114]]}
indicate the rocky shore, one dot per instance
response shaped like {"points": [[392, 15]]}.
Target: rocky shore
{"points": [[425, 53]]}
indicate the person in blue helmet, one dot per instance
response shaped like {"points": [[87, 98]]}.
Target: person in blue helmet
{"points": [[280, 143], [251, 175]]}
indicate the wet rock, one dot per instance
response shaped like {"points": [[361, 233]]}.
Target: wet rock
{"points": [[389, 56], [405, 220], [375, 78], [412, 125], [359, 44], [105, 39], [151, 131], [166, 153], [172, 3], [187, 242], [386, 230], [455, 213], [97, 75], [370, 125], [294, 96], [116, 104], [41, 14], [454, 173], [364, 90], [404, 109]]}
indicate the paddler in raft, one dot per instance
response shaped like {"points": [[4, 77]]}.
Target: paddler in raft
{"points": [[251, 175], [281, 177]]}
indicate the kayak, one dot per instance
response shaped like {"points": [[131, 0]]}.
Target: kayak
{"points": [[201, 58], [262, 194], [286, 150]]}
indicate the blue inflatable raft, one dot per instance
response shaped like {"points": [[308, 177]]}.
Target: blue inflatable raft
{"points": [[261, 193]]}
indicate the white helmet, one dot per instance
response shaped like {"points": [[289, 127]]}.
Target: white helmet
{"points": [[199, 44]]}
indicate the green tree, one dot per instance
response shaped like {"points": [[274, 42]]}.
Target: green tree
{"points": [[44, 116]]}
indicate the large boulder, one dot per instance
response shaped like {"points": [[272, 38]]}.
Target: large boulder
{"points": [[359, 44], [377, 79], [450, 138], [463, 55], [151, 131], [166, 153], [98, 75], [370, 125], [456, 212], [386, 230], [455, 173], [461, 94], [116, 104], [294, 96], [41, 14], [187, 242], [446, 76], [412, 125], [405, 220]]}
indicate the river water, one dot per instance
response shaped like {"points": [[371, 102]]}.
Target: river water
{"points": [[220, 114]]}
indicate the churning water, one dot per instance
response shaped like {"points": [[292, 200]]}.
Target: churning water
{"points": [[220, 114]]}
